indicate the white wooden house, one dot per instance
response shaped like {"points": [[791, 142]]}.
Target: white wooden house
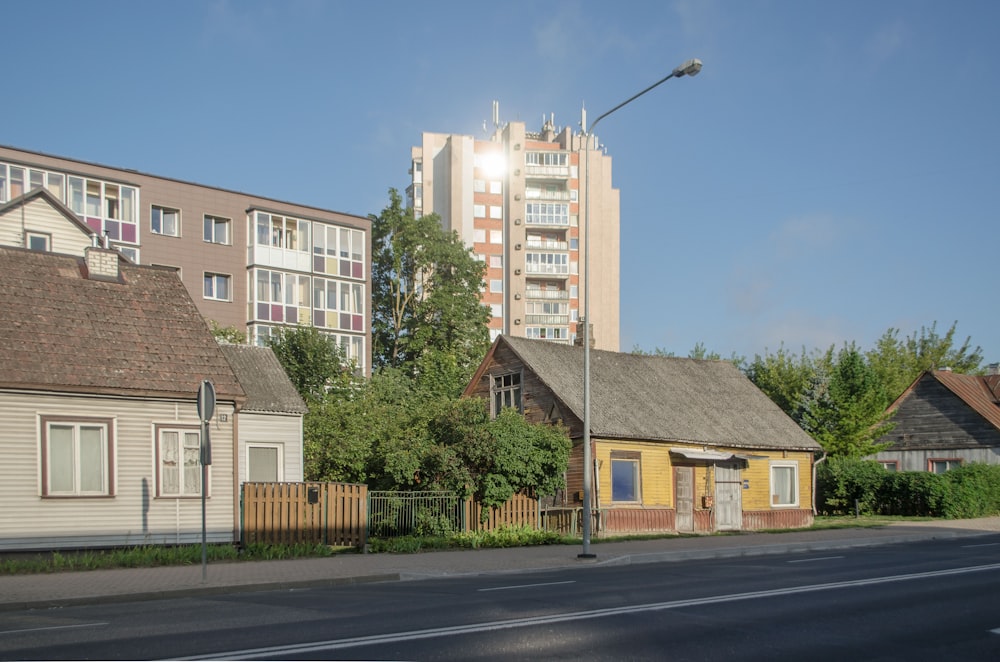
{"points": [[99, 433]]}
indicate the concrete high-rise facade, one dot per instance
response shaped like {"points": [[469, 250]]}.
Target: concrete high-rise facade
{"points": [[517, 199]]}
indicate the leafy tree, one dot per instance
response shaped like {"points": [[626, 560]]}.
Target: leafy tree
{"points": [[425, 292], [897, 362], [493, 460], [848, 413], [313, 361], [227, 334], [783, 377]]}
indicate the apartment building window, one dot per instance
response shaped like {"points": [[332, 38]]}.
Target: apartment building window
{"points": [[546, 332], [545, 159], [784, 483], [165, 221], [339, 251], [178, 462], [496, 211], [38, 241], [546, 263], [282, 232], [279, 296], [496, 286], [77, 457], [496, 261], [496, 310], [546, 213], [479, 236], [217, 230], [217, 286], [479, 186], [506, 392], [479, 211], [496, 237], [625, 476], [496, 187]]}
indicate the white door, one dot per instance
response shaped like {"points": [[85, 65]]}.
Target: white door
{"points": [[728, 497]]}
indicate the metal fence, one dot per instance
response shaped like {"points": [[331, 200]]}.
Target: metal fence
{"points": [[393, 514]]}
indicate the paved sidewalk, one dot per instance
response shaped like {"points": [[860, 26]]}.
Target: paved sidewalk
{"points": [[70, 588]]}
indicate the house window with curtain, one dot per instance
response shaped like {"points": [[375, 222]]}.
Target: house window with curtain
{"points": [[178, 462], [506, 392], [784, 484]]}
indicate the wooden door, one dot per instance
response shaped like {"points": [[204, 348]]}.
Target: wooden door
{"points": [[684, 497], [728, 497]]}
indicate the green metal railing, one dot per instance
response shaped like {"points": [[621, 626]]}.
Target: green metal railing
{"points": [[393, 514]]}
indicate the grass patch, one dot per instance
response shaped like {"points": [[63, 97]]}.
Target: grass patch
{"points": [[152, 556]]}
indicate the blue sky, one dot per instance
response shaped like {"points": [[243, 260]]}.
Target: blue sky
{"points": [[830, 174]]}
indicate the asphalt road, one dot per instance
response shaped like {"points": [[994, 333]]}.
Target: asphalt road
{"points": [[938, 600]]}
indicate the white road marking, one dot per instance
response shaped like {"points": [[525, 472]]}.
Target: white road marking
{"points": [[982, 544], [819, 558], [275, 652], [507, 588], [54, 627], [995, 631]]}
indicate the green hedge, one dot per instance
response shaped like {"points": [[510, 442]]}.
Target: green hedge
{"points": [[969, 491]]}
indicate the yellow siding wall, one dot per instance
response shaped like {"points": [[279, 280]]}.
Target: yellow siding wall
{"points": [[657, 474]]}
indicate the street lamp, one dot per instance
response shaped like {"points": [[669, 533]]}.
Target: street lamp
{"points": [[689, 68]]}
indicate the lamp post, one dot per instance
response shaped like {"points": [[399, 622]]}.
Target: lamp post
{"points": [[689, 68]]}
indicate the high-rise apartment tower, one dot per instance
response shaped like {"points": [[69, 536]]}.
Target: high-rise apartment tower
{"points": [[517, 199]]}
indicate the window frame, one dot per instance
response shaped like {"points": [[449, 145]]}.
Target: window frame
{"points": [[210, 237], [213, 275], [29, 235], [890, 465], [181, 429], [931, 461], [783, 465], [278, 447], [152, 220], [506, 390], [632, 459], [107, 462]]}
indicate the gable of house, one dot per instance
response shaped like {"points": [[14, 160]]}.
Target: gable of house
{"points": [[944, 411], [39, 221]]}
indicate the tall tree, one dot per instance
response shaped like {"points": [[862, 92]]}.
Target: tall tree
{"points": [[313, 361], [847, 413], [784, 377], [897, 362], [425, 292]]}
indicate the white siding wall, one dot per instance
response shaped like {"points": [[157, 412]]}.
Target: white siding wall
{"points": [[39, 216], [282, 429], [133, 515]]}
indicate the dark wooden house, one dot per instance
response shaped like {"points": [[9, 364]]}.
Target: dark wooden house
{"points": [[678, 444], [944, 420]]}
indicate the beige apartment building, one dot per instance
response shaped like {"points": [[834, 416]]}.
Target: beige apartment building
{"points": [[517, 199], [248, 261]]}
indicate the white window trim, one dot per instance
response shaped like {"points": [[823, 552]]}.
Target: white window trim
{"points": [[158, 430], [229, 229], [794, 466], [216, 298], [161, 233], [279, 447], [108, 455]]}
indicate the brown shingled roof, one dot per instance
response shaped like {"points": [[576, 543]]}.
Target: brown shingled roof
{"points": [[265, 382], [139, 336]]}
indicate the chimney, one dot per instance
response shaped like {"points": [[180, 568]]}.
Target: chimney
{"points": [[102, 263], [993, 369], [579, 334]]}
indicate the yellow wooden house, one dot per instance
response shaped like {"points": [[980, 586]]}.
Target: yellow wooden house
{"points": [[677, 444]]}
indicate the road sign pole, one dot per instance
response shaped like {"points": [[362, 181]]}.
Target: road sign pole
{"points": [[206, 407]]}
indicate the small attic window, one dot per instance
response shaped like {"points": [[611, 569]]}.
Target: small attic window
{"points": [[38, 241], [506, 392]]}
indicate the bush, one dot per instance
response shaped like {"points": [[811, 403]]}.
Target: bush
{"points": [[842, 482], [913, 494], [974, 491]]}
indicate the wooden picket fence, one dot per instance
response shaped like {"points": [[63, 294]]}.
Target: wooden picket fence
{"points": [[338, 514], [315, 513]]}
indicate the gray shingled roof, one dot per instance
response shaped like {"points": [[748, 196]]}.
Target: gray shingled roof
{"points": [[663, 399], [139, 336], [267, 386]]}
